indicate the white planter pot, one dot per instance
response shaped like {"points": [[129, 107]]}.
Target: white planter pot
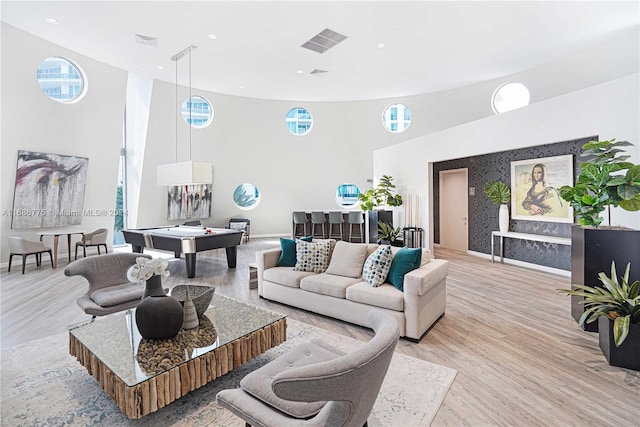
{"points": [[503, 218]]}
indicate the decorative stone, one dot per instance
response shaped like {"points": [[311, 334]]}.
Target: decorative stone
{"points": [[159, 317]]}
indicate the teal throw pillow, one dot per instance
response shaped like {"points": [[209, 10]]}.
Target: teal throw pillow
{"points": [[288, 256], [405, 260]]}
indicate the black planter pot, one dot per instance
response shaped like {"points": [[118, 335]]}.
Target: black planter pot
{"points": [[592, 250], [628, 354], [375, 216], [159, 317]]}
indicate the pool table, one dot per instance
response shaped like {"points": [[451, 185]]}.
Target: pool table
{"points": [[187, 241]]}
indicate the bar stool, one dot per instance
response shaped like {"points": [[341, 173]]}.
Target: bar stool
{"points": [[336, 218], [318, 218], [356, 218], [300, 219]]}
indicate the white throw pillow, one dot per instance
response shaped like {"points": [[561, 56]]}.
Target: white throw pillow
{"points": [[312, 256], [347, 259], [377, 266]]}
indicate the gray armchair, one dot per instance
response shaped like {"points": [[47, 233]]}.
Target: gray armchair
{"points": [[109, 289], [96, 238], [315, 384]]}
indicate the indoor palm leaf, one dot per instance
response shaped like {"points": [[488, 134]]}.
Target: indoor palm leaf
{"points": [[617, 300]]}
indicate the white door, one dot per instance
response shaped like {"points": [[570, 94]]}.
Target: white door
{"points": [[454, 232]]}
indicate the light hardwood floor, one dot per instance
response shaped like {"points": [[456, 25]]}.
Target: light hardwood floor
{"points": [[521, 358]]}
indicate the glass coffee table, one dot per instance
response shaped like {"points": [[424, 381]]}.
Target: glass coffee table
{"points": [[143, 376]]}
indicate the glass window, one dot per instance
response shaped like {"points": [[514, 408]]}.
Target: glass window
{"points": [[299, 121], [347, 195], [509, 96], [61, 79], [246, 196], [396, 118], [201, 112]]}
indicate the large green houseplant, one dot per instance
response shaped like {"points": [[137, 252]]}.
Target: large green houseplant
{"points": [[603, 182], [606, 179], [383, 194]]}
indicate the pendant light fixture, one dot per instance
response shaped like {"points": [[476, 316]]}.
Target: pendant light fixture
{"points": [[186, 172]]}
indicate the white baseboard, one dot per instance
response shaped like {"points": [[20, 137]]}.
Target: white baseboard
{"points": [[515, 262]]}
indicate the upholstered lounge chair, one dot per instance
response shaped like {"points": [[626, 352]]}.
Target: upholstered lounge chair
{"points": [[109, 289], [315, 384]]}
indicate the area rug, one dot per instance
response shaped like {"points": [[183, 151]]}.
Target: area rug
{"points": [[42, 385]]}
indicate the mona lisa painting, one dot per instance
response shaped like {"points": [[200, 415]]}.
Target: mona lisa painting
{"points": [[535, 185]]}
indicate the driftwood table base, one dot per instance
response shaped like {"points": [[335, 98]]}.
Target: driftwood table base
{"points": [[160, 390]]}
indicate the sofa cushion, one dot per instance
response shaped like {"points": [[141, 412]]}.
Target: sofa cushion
{"points": [[312, 256], [285, 276], [383, 296], [377, 266], [404, 261], [114, 295], [328, 284], [347, 259], [288, 255]]}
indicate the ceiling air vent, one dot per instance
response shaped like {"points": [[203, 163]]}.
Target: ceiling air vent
{"points": [[317, 71], [146, 40], [324, 41]]}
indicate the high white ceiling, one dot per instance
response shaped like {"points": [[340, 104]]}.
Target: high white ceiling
{"points": [[430, 45]]}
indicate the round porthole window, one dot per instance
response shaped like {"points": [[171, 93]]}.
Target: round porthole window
{"points": [[509, 96], [347, 195], [61, 80], [299, 121], [197, 112], [396, 118], [246, 196]]}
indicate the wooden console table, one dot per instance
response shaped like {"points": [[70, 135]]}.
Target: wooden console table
{"points": [[524, 236]]}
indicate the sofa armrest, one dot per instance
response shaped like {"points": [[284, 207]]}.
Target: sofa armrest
{"points": [[266, 259], [420, 281]]}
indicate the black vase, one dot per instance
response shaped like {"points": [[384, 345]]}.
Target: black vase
{"points": [[153, 287], [159, 317]]}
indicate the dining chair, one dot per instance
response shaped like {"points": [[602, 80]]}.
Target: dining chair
{"points": [[96, 238], [24, 248]]}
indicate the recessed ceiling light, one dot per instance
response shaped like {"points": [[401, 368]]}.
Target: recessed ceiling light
{"points": [[212, 36], [51, 21], [241, 87], [299, 71], [160, 67], [381, 45]]}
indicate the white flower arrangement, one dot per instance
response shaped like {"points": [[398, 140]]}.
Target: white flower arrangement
{"points": [[145, 268]]}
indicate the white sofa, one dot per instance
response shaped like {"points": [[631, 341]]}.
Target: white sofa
{"points": [[421, 303]]}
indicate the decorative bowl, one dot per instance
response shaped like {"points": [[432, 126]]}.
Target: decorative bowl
{"points": [[201, 296]]}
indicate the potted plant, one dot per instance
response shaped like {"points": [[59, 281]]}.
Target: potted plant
{"points": [[388, 235], [499, 194], [606, 179], [382, 195], [616, 307], [376, 198]]}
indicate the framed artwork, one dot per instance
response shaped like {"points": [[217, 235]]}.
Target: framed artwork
{"points": [[189, 201], [534, 189], [49, 190]]}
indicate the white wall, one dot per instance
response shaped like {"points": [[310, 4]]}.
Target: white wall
{"points": [[610, 110], [31, 121]]}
